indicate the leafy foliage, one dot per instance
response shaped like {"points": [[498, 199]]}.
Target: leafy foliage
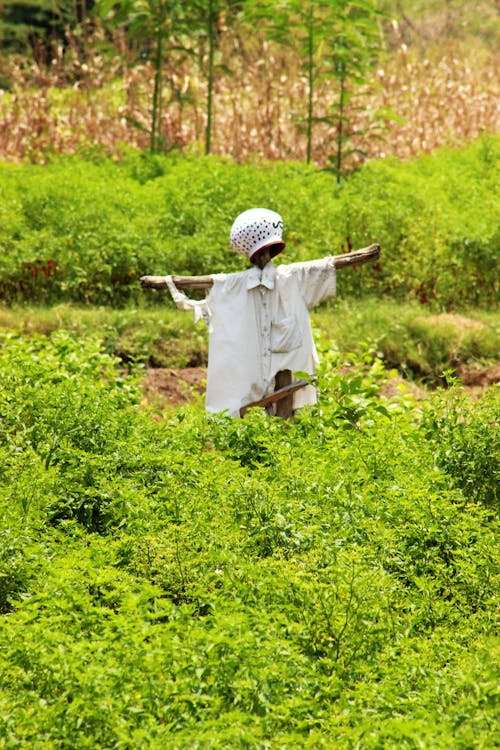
{"points": [[156, 24], [468, 443], [86, 231], [334, 40], [207, 582], [25, 25]]}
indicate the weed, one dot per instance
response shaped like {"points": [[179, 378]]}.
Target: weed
{"points": [[466, 440]]}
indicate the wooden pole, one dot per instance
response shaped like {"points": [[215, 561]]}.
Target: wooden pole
{"points": [[356, 258], [273, 398], [284, 407]]}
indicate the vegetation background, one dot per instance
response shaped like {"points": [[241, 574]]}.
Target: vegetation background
{"points": [[418, 75], [174, 580]]}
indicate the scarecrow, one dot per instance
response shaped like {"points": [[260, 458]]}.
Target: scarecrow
{"points": [[258, 319]]}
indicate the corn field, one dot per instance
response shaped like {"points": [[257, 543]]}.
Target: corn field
{"points": [[83, 99]]}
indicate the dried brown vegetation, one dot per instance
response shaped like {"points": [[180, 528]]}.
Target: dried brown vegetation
{"points": [[83, 99]]}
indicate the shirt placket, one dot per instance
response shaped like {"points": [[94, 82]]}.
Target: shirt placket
{"points": [[266, 335]]}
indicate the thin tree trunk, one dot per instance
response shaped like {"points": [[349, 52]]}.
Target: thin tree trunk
{"points": [[310, 64], [340, 129], [210, 82]]}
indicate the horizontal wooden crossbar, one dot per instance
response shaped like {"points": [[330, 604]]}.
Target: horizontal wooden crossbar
{"points": [[357, 257]]}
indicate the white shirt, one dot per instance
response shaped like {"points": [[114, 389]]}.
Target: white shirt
{"points": [[258, 322]]}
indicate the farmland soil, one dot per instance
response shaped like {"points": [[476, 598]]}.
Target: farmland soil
{"points": [[175, 387], [473, 376]]}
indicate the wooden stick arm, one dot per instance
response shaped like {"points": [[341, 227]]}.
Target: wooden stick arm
{"points": [[356, 258], [276, 395], [181, 282]]}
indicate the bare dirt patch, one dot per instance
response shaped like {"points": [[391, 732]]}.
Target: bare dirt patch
{"points": [[175, 387], [478, 377]]}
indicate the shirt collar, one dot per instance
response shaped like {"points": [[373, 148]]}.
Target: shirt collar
{"points": [[265, 277]]}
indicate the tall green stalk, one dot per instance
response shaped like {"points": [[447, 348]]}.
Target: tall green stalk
{"points": [[310, 78], [158, 25], [210, 78], [340, 121], [155, 136]]}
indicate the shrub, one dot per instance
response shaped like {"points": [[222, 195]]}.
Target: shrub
{"points": [[86, 231], [466, 442], [204, 582]]}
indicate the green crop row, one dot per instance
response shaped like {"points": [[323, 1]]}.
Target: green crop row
{"points": [[202, 582], [85, 231]]}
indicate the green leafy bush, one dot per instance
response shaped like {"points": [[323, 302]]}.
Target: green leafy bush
{"points": [[86, 231], [65, 405], [433, 218], [467, 442], [205, 582]]}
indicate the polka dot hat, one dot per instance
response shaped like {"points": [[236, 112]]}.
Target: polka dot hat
{"points": [[257, 228]]}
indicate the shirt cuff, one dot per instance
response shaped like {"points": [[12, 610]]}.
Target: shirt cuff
{"points": [[182, 302]]}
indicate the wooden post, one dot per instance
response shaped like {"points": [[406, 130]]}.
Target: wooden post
{"points": [[284, 407]]}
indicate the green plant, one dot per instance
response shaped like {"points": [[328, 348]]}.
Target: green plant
{"points": [[211, 21], [86, 231], [37, 24], [332, 38], [163, 22], [194, 581], [466, 442], [355, 44]]}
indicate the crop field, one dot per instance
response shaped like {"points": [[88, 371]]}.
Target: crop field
{"points": [[173, 580], [84, 231], [177, 580], [170, 580], [428, 78], [41, 117]]}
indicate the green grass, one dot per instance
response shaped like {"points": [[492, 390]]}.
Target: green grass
{"points": [[419, 343], [156, 336], [408, 337]]}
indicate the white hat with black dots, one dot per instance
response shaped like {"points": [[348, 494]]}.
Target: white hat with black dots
{"points": [[255, 229]]}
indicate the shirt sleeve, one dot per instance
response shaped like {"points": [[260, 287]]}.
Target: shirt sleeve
{"points": [[199, 308], [316, 279]]}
